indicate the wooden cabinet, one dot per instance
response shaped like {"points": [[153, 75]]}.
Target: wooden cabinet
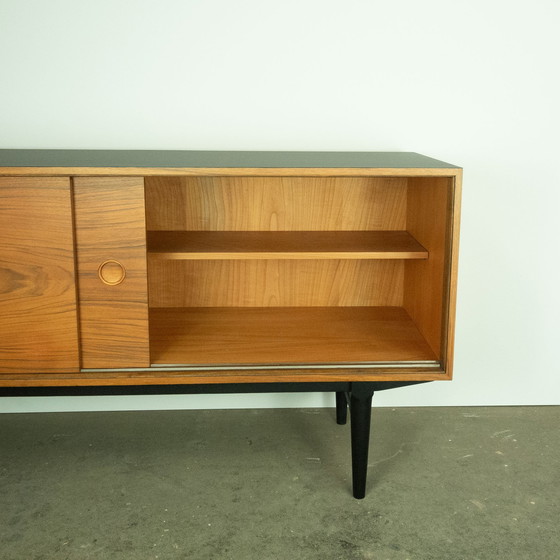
{"points": [[221, 267], [188, 268]]}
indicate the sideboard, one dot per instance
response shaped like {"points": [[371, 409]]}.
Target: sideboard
{"points": [[185, 271]]}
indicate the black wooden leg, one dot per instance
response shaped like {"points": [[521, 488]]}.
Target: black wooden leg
{"points": [[341, 407], [360, 415]]}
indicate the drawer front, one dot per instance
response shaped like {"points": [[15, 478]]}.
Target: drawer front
{"points": [[112, 273], [38, 320]]}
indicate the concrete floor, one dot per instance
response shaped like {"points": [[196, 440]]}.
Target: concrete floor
{"points": [[444, 483]]}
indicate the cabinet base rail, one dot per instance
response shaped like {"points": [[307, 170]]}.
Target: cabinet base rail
{"points": [[357, 396]]}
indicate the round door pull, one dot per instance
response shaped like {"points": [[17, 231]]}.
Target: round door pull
{"points": [[111, 272]]}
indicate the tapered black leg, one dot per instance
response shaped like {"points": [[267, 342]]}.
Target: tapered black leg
{"points": [[360, 415], [341, 407]]}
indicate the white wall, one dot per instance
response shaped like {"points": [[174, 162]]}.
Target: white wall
{"points": [[472, 82]]}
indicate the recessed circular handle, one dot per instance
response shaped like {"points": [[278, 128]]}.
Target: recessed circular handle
{"points": [[111, 272]]}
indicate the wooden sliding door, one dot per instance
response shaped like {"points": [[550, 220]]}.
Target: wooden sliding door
{"points": [[111, 252], [38, 326]]}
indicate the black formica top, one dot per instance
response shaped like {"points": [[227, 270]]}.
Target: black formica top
{"points": [[222, 159]]}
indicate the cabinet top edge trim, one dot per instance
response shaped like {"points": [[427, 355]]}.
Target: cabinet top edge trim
{"points": [[226, 172]]}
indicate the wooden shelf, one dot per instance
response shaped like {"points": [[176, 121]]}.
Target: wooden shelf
{"points": [[185, 245], [284, 335]]}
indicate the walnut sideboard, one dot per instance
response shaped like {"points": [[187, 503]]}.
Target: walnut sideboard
{"points": [[177, 271]]}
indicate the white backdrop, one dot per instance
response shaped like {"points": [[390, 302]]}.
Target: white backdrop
{"points": [[471, 82]]}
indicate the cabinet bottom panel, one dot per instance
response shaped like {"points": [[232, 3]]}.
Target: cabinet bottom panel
{"points": [[284, 336]]}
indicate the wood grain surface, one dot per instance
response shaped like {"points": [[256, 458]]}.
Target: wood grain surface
{"points": [[38, 318], [275, 203], [284, 335], [429, 215], [110, 225], [181, 245], [452, 269], [269, 283]]}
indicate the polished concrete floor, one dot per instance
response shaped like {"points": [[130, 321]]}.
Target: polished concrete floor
{"points": [[444, 483]]}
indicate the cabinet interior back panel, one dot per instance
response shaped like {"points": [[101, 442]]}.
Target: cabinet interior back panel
{"points": [[275, 203], [275, 283]]}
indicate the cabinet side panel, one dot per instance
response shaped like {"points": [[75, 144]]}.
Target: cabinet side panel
{"points": [[426, 283], [449, 335], [110, 229], [38, 319], [275, 203]]}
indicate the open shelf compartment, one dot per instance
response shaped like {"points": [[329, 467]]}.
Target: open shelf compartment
{"points": [[285, 336], [298, 271]]}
